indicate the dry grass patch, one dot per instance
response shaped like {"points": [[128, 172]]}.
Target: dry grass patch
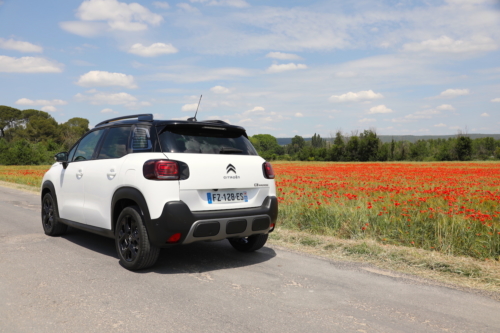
{"points": [[462, 272]]}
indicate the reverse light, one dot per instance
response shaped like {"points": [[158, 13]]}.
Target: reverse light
{"points": [[161, 170], [268, 170], [174, 238]]}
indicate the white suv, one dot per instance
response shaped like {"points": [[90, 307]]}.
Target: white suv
{"points": [[154, 183]]}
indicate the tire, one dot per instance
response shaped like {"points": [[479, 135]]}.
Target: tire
{"points": [[50, 217], [249, 244], [132, 241]]}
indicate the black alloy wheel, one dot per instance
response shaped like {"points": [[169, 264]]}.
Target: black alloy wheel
{"points": [[128, 239], [50, 218], [132, 241]]}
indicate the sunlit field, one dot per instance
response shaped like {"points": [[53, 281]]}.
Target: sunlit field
{"points": [[447, 207], [23, 174]]}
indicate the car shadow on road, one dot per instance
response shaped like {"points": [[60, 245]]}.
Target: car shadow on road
{"points": [[186, 259]]}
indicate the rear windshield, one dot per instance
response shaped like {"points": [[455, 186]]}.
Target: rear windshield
{"points": [[198, 140]]}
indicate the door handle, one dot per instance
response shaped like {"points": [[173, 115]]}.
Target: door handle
{"points": [[79, 174], [111, 174]]}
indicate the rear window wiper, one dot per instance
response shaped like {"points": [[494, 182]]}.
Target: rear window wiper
{"points": [[229, 150]]}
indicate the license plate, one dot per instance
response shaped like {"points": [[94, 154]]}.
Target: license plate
{"points": [[226, 197]]}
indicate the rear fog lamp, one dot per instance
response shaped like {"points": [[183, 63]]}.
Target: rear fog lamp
{"points": [[174, 238]]}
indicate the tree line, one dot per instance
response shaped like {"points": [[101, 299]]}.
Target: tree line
{"points": [[33, 137], [366, 146]]}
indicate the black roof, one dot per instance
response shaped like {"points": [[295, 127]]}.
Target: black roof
{"points": [[148, 117]]}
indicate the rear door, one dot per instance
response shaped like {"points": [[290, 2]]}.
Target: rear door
{"points": [[103, 177]]}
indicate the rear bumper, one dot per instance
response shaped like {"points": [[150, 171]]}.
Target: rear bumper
{"points": [[176, 217]]}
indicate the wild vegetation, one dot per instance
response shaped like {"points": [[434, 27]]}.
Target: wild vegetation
{"points": [[32, 137]]}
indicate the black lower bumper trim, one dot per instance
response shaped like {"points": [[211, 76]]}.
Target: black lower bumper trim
{"points": [[178, 218]]}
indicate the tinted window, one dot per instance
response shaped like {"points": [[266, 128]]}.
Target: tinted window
{"points": [[71, 153], [87, 146], [115, 144], [197, 140]]}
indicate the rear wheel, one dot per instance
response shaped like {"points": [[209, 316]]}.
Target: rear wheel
{"points": [[132, 241], [50, 217], [249, 244]]}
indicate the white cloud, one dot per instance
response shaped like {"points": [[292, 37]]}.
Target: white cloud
{"points": [[189, 107], [40, 102], [256, 110], [451, 93], [246, 120], [440, 125], [108, 110], [354, 97], [84, 29], [187, 7], [380, 109], [106, 79], [220, 90], [298, 114], [496, 100], [445, 44], [285, 67], [445, 107], [29, 65], [485, 114], [49, 108], [283, 56], [230, 3], [153, 50], [98, 98], [161, 4], [367, 120], [116, 15], [10, 44]]}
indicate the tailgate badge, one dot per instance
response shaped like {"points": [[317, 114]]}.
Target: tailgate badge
{"points": [[230, 167]]}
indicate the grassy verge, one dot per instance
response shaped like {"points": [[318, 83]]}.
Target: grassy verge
{"points": [[30, 175], [455, 271]]}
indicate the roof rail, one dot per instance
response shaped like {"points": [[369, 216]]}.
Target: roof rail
{"points": [[141, 117]]}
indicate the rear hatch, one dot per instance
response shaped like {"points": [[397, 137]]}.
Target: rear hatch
{"points": [[225, 171]]}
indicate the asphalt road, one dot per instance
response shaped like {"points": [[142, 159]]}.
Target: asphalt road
{"points": [[75, 284]]}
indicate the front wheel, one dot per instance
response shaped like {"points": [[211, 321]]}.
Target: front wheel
{"points": [[132, 242], [50, 217], [249, 244]]}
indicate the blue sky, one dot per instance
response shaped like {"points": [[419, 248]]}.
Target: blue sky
{"points": [[280, 67]]}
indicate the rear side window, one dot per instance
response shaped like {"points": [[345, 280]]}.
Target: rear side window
{"points": [[198, 140], [87, 145], [115, 143]]}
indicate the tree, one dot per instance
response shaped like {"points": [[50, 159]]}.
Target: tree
{"points": [[368, 145], [352, 149], [266, 145], [72, 130], [317, 141], [8, 118], [463, 148]]}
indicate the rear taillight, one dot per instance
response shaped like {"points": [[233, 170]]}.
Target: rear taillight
{"points": [[161, 170], [268, 170]]}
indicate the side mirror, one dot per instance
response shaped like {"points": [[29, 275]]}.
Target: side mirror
{"points": [[61, 157]]}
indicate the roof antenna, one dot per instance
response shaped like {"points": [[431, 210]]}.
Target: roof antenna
{"points": [[194, 118]]}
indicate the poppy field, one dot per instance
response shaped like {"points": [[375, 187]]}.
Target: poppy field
{"points": [[448, 207], [30, 175]]}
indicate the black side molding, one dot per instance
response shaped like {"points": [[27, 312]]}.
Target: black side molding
{"points": [[89, 228]]}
